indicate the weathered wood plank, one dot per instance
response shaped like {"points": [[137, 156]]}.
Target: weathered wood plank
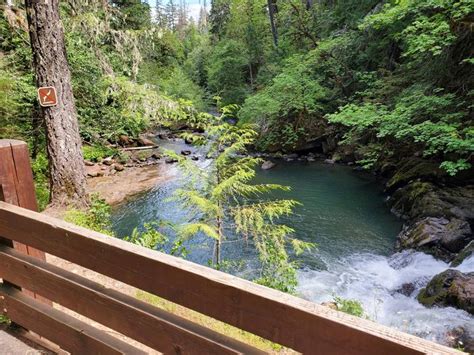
{"points": [[282, 318], [17, 187], [138, 320], [69, 333]]}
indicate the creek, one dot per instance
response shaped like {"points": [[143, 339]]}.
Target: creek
{"points": [[345, 213]]}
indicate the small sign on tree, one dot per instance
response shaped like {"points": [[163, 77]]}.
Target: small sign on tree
{"points": [[47, 96]]}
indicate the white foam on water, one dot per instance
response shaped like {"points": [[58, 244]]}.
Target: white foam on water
{"points": [[374, 280]]}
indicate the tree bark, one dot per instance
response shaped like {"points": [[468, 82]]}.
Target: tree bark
{"points": [[271, 13], [67, 172]]}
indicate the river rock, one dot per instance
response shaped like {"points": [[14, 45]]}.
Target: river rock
{"points": [[451, 288], [464, 254], [460, 338], [145, 142], [267, 165], [195, 158], [88, 163], [415, 169], [291, 156], [170, 160], [124, 140], [118, 167], [94, 170], [108, 161], [441, 237], [424, 199], [329, 161], [406, 289], [186, 152]]}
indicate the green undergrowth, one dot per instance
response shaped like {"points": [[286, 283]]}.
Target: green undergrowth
{"points": [[97, 217], [97, 152], [349, 306]]}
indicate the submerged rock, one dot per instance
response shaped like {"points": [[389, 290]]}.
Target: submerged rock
{"points": [[171, 160], [186, 152], [451, 288], [267, 164], [406, 289], [440, 237]]}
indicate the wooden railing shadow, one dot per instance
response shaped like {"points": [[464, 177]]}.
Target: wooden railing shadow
{"points": [[281, 318]]}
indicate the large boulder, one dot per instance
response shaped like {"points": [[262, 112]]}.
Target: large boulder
{"points": [[423, 199], [441, 237], [412, 170], [451, 288]]}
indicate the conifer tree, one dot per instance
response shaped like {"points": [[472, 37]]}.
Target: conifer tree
{"points": [[221, 198]]}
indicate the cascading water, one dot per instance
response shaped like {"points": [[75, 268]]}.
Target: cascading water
{"points": [[377, 281]]}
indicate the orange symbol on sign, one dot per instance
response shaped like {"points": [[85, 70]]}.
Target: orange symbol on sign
{"points": [[47, 96]]}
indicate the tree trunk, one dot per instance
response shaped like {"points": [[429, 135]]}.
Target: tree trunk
{"points": [[67, 172], [271, 13]]}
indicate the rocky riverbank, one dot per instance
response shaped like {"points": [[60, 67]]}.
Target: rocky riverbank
{"points": [[438, 212], [136, 168]]}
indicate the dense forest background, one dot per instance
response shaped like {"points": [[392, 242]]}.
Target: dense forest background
{"points": [[376, 82]]}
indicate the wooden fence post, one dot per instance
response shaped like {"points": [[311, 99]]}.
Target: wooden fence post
{"points": [[17, 188]]}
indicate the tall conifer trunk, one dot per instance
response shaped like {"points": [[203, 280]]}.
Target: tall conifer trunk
{"points": [[67, 172], [272, 6]]}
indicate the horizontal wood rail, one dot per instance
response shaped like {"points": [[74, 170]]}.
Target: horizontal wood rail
{"points": [[279, 317], [74, 336]]}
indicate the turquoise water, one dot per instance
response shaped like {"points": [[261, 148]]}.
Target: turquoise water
{"points": [[342, 211]]}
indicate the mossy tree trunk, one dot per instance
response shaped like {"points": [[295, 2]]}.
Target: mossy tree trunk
{"points": [[67, 171]]}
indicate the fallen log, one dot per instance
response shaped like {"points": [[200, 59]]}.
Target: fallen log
{"points": [[139, 148]]}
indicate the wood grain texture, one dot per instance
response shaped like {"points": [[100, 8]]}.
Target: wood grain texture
{"points": [[282, 318], [17, 187], [69, 333], [138, 320]]}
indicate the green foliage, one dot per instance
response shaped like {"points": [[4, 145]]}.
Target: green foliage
{"points": [[97, 217], [352, 307], [226, 72], [395, 74], [150, 238], [222, 194], [97, 152], [40, 174], [429, 120], [4, 320], [179, 86]]}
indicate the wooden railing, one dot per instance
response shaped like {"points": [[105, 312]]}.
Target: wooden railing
{"points": [[284, 319]]}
